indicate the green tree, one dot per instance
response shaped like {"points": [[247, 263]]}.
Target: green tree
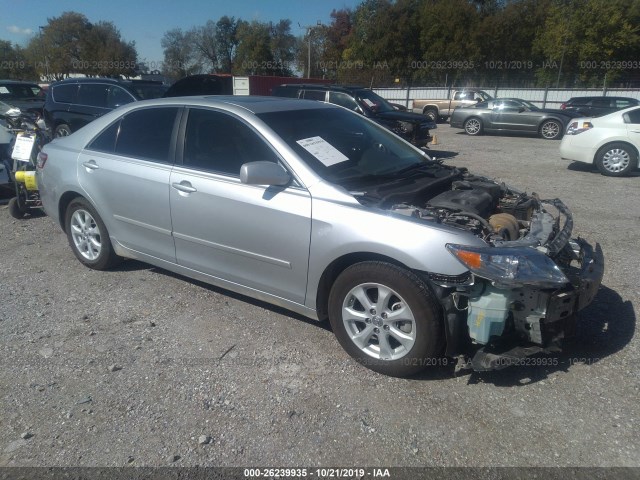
{"points": [[105, 53], [180, 55], [14, 64], [253, 54], [204, 40], [226, 43], [585, 38]]}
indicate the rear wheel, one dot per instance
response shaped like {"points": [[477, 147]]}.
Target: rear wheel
{"points": [[551, 130], [88, 236], [616, 159], [473, 126], [386, 318], [431, 113], [62, 130]]}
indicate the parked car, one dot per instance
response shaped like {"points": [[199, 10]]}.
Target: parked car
{"points": [[27, 96], [437, 109], [323, 211], [510, 115], [72, 103], [611, 142], [598, 105], [413, 127]]}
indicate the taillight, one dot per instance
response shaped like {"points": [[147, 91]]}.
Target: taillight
{"points": [[42, 159], [563, 106], [576, 127]]}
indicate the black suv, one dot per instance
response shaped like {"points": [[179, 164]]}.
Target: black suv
{"points": [[413, 127], [74, 102], [598, 106]]}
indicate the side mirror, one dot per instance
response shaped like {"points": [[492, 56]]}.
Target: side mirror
{"points": [[521, 109], [264, 173]]}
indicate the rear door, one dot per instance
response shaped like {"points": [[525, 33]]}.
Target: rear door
{"points": [[253, 235], [632, 119], [125, 170]]}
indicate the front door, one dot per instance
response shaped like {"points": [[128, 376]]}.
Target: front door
{"points": [[255, 236]]}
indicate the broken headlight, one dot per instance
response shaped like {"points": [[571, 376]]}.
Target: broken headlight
{"points": [[510, 267]]}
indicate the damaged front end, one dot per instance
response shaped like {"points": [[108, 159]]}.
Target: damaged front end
{"points": [[522, 290]]}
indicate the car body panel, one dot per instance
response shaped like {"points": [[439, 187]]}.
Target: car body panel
{"points": [[606, 129]]}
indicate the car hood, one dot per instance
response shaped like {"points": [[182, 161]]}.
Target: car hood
{"points": [[402, 116], [27, 104]]}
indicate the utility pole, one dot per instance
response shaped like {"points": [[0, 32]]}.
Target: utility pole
{"points": [[309, 28], [44, 53]]}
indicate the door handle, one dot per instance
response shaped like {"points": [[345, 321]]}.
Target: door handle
{"points": [[90, 165], [184, 186]]}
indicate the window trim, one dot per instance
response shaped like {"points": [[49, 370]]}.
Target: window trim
{"points": [[182, 138]]}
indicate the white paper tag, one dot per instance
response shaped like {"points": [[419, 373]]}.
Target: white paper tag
{"points": [[323, 150], [4, 90], [23, 148]]}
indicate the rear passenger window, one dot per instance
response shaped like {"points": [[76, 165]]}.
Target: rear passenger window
{"points": [[106, 141], [64, 93], [220, 143], [633, 116], [622, 103], [93, 94], [147, 134], [601, 102]]}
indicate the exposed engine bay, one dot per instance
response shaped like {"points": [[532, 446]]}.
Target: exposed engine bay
{"points": [[515, 314]]}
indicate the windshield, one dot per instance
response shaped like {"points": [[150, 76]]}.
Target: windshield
{"points": [[372, 102], [343, 147], [529, 105]]}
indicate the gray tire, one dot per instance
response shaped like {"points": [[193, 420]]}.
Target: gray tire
{"points": [[386, 318], [616, 159], [473, 126], [62, 130], [88, 236], [551, 130]]}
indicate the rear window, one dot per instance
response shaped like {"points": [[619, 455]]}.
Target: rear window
{"points": [[19, 91], [147, 92]]}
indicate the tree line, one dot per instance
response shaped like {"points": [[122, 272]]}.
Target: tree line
{"points": [[564, 43]]}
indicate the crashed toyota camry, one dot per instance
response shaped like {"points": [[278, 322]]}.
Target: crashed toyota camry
{"points": [[315, 208]]}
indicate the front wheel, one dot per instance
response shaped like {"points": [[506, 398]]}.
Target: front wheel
{"points": [[551, 130], [88, 236], [473, 126], [616, 159], [386, 318]]}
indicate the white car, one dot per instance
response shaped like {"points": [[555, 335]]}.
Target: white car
{"points": [[612, 142]]}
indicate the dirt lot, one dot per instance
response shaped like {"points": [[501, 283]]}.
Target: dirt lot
{"points": [[140, 367]]}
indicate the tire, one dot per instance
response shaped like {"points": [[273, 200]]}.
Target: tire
{"points": [[616, 159], [473, 126], [551, 130], [361, 319], [15, 209], [62, 130], [431, 113], [88, 236]]}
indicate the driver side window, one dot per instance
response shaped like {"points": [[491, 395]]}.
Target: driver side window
{"points": [[220, 143]]}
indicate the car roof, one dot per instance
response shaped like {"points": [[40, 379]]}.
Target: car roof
{"points": [[251, 103], [114, 81], [592, 97], [344, 88], [18, 82]]}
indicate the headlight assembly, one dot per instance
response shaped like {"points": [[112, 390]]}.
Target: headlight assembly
{"points": [[510, 267]]}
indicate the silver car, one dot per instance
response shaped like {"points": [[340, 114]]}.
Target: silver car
{"points": [[315, 208]]}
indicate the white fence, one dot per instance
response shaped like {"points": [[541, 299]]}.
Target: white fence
{"points": [[543, 97]]}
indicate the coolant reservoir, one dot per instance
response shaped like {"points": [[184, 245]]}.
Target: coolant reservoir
{"points": [[488, 310]]}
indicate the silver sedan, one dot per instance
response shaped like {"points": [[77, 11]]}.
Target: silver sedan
{"points": [[315, 208]]}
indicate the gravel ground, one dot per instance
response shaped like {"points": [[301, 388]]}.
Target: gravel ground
{"points": [[140, 367]]}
